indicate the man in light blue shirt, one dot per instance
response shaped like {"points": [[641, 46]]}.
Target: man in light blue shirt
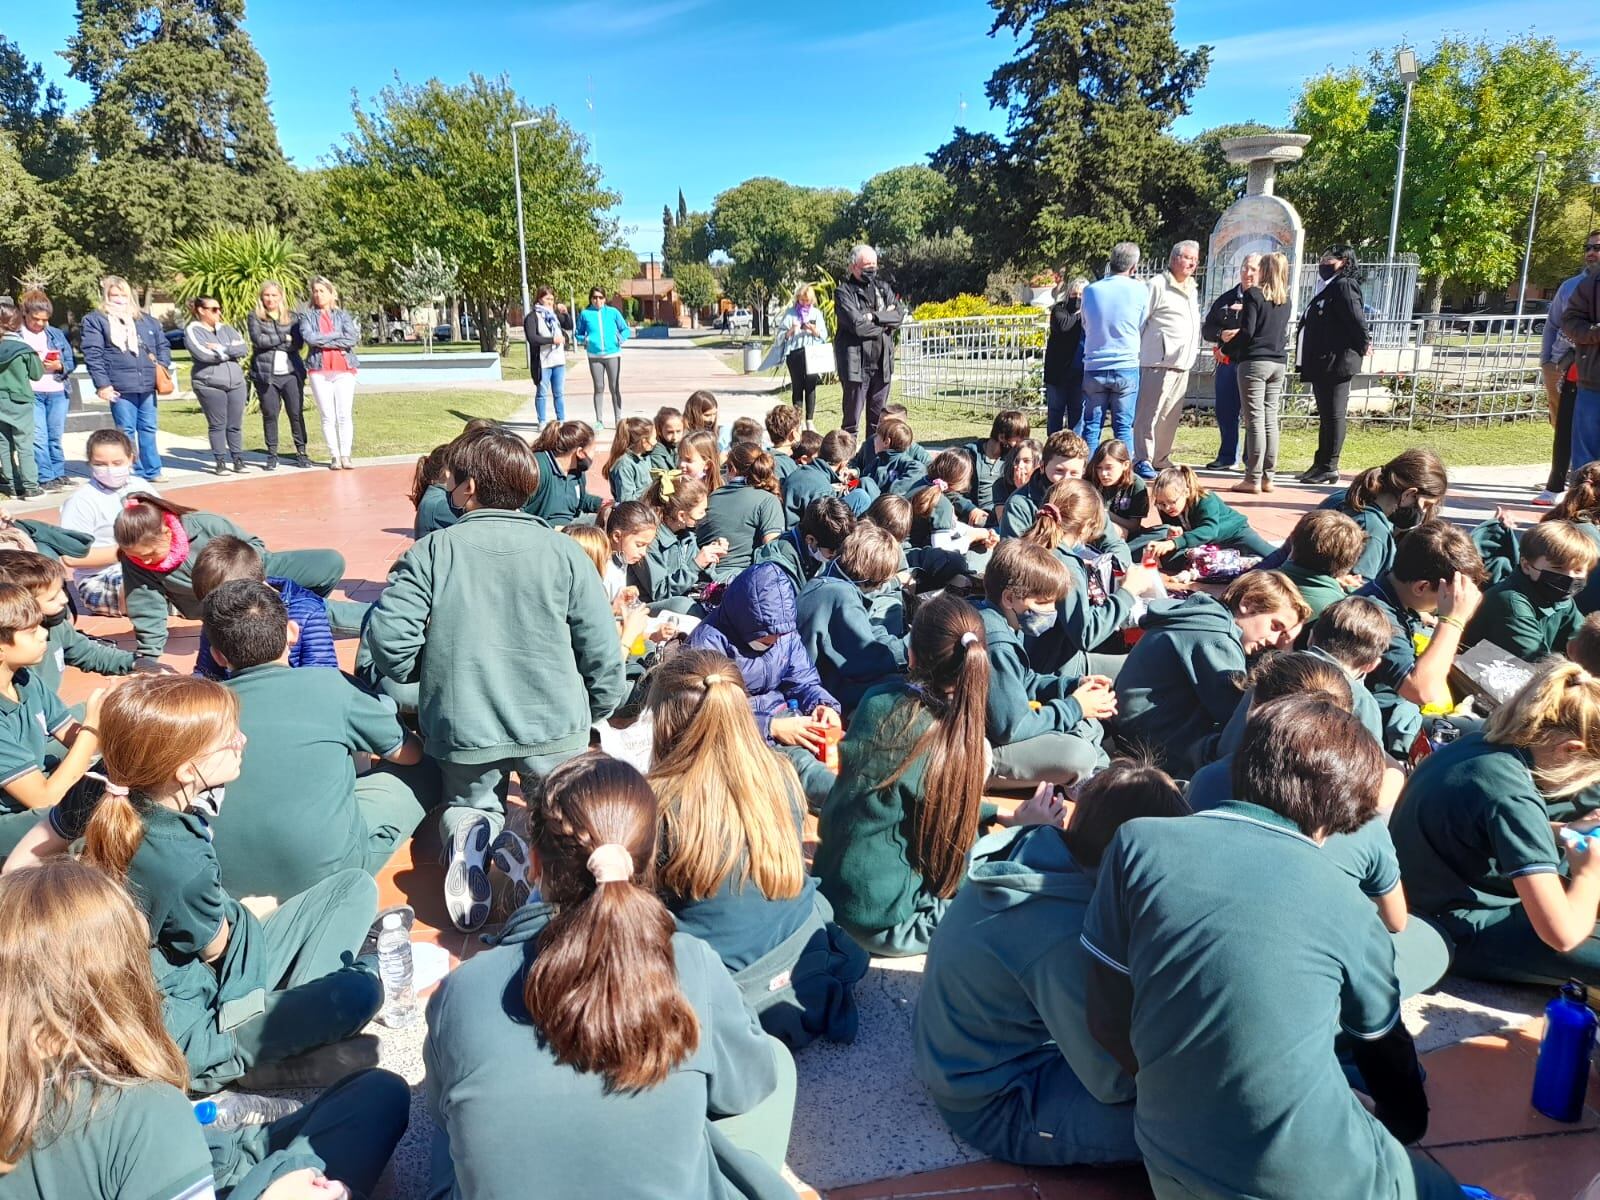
{"points": [[1114, 312], [1555, 356]]}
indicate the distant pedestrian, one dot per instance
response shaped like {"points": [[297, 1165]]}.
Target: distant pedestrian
{"points": [[547, 354], [279, 371], [1167, 353], [1557, 363], [121, 347], [19, 368], [1580, 322], [1258, 347], [217, 349], [867, 315], [803, 325], [1114, 311], [1063, 359], [1333, 341], [332, 334], [1224, 314], [49, 390], [601, 330]]}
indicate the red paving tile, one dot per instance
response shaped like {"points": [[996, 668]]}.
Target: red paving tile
{"points": [[1548, 1168], [1478, 1090]]}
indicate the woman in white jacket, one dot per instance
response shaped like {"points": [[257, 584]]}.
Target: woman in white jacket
{"points": [[803, 325]]}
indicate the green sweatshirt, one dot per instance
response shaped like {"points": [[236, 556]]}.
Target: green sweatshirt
{"points": [[630, 478], [852, 652], [1180, 683], [1319, 591], [70, 647], [668, 567], [1013, 683], [148, 592], [513, 661], [1209, 522], [19, 367], [1086, 619], [560, 497], [1512, 618]]}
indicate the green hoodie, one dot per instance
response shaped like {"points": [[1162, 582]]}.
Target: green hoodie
{"points": [[1319, 591], [630, 478], [505, 623], [1013, 683], [668, 567], [1514, 619], [1002, 1007], [19, 367], [1180, 683]]}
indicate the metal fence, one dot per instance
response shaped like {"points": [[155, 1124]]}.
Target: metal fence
{"points": [[1422, 371]]}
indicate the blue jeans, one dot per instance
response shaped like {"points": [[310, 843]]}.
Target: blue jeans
{"points": [[1228, 412], [49, 423], [552, 382], [136, 417], [1063, 404], [1585, 427], [1117, 390]]}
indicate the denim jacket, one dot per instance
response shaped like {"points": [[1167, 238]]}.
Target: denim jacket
{"points": [[344, 337], [56, 381]]}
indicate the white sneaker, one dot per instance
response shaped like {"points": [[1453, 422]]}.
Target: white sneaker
{"points": [[1546, 499], [466, 883]]}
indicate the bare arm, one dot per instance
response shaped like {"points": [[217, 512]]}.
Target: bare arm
{"points": [[1563, 914]]}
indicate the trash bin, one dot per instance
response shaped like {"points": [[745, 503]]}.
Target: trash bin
{"points": [[752, 358]]}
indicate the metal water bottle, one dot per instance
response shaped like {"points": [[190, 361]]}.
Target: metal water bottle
{"points": [[1561, 1078]]}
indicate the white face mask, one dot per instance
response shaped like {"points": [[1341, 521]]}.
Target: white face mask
{"points": [[110, 478]]}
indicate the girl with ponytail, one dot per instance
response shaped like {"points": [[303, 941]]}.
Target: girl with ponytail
{"points": [[594, 1038], [1192, 516], [1476, 847], [628, 465], [562, 453], [675, 562], [745, 510], [933, 504], [241, 993], [92, 1086], [899, 825]]}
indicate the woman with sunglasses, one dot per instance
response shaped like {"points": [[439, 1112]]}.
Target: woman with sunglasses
{"points": [[217, 349], [601, 330]]}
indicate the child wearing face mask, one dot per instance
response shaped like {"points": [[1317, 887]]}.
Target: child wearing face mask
{"points": [[45, 578], [92, 509], [1533, 611], [804, 548], [562, 452], [852, 652]]}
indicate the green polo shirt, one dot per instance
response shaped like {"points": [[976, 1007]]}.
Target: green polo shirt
{"points": [[1512, 619], [137, 1143], [1469, 824], [27, 726], [747, 517], [1402, 719], [291, 818], [70, 647], [1247, 950]]}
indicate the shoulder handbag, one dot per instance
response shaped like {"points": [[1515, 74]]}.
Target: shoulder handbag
{"points": [[819, 358], [164, 384]]}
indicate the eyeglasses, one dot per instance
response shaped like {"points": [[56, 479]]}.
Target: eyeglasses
{"points": [[235, 743], [1592, 248]]}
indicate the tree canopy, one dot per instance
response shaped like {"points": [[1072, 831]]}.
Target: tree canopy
{"points": [[774, 232]]}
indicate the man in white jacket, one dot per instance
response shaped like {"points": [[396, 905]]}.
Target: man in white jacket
{"points": [[1168, 349]]}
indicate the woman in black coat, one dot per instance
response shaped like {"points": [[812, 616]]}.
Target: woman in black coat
{"points": [[279, 371], [1333, 341], [1063, 360]]}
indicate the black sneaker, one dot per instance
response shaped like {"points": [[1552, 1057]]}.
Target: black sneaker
{"points": [[221, 468], [272, 463], [32, 493], [301, 460], [238, 466], [467, 894]]}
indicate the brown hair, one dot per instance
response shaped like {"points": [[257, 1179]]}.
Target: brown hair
{"points": [[108, 437], [32, 570], [700, 412], [783, 422], [755, 464], [1264, 591], [953, 468], [746, 429], [565, 437], [1354, 631], [837, 447], [429, 470], [19, 611], [1124, 791], [225, 557], [1566, 547], [1309, 760], [1326, 542], [830, 521], [1072, 513], [149, 727], [1114, 451], [10, 316], [631, 516], [730, 804], [890, 513], [1584, 648], [36, 303], [869, 555], [603, 989], [1560, 702], [1274, 278], [1009, 423], [629, 439], [703, 445], [1434, 551], [593, 541], [896, 434], [663, 415], [687, 494], [502, 466], [1582, 499], [1418, 468], [1176, 476], [141, 519], [78, 1002], [1025, 569], [1295, 673], [1063, 443], [950, 662], [807, 446]]}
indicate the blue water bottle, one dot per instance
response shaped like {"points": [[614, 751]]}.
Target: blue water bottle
{"points": [[1561, 1078]]}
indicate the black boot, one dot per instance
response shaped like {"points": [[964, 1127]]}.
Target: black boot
{"points": [[272, 461], [238, 465], [221, 468]]}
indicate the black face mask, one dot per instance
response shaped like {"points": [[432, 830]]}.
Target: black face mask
{"points": [[1408, 516], [581, 464], [450, 502], [60, 618], [1549, 588], [869, 274], [1074, 304], [1327, 270]]}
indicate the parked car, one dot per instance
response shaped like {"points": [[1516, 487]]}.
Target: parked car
{"points": [[740, 321], [443, 332], [174, 338]]}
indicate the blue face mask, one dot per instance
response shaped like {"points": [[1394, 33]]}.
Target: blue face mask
{"points": [[1034, 623]]}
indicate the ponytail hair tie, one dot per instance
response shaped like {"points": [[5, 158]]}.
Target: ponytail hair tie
{"points": [[969, 639], [115, 789], [711, 681], [941, 485], [611, 863], [1051, 511], [132, 502]]}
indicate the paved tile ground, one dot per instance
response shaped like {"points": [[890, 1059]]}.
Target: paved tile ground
{"points": [[1482, 1127]]}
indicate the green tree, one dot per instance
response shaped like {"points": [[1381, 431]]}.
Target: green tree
{"points": [[689, 240], [34, 250], [697, 287], [902, 204], [35, 114], [425, 282], [1479, 112], [933, 268], [774, 233], [431, 165], [231, 265]]}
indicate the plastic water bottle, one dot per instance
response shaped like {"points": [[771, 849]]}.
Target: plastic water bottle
{"points": [[1562, 1076], [394, 967], [235, 1110]]}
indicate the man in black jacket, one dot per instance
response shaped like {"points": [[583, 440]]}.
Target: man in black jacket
{"points": [[867, 314], [1224, 314]]}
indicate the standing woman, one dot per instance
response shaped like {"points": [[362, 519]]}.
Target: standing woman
{"points": [[279, 371], [803, 325], [602, 331], [1257, 349], [1063, 360], [1333, 341], [121, 347], [218, 380], [49, 390], [547, 355], [332, 334]]}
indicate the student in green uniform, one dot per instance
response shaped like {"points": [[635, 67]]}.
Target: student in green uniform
{"points": [[833, 611], [676, 563], [669, 428], [627, 467], [803, 548], [298, 811], [1580, 505], [1127, 500], [934, 502], [922, 568], [989, 459], [593, 1043], [158, 542], [745, 511], [730, 865], [32, 778], [900, 822], [701, 415], [20, 365], [432, 482], [895, 470], [630, 531], [1183, 678], [1063, 457], [699, 458], [562, 454], [1584, 648], [1476, 843], [783, 429], [102, 1112], [1353, 633], [999, 1033], [825, 475], [1323, 548], [1229, 950], [1367, 855], [46, 580], [1436, 570], [1533, 611], [1191, 516], [1041, 728], [519, 662], [240, 993], [1020, 470]]}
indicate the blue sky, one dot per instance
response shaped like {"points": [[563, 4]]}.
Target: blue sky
{"points": [[701, 94]]}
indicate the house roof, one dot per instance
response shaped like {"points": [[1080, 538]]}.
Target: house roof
{"points": [[661, 288]]}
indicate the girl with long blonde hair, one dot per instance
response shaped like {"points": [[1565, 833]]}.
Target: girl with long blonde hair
{"points": [[732, 813]]}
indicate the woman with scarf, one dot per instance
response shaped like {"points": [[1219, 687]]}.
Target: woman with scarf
{"points": [[803, 325], [121, 347], [547, 355]]}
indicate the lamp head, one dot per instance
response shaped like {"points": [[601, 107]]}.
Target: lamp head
{"points": [[1406, 64]]}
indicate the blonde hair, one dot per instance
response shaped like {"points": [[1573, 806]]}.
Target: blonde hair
{"points": [[1561, 701], [78, 1002], [107, 282], [729, 803], [869, 555], [592, 540], [283, 302], [1274, 281], [807, 291], [311, 289], [1566, 546]]}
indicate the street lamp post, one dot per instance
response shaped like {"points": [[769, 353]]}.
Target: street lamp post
{"points": [[1406, 65], [1527, 250], [522, 240]]}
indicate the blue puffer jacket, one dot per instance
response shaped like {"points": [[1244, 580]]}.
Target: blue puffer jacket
{"points": [[759, 602], [128, 374]]}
